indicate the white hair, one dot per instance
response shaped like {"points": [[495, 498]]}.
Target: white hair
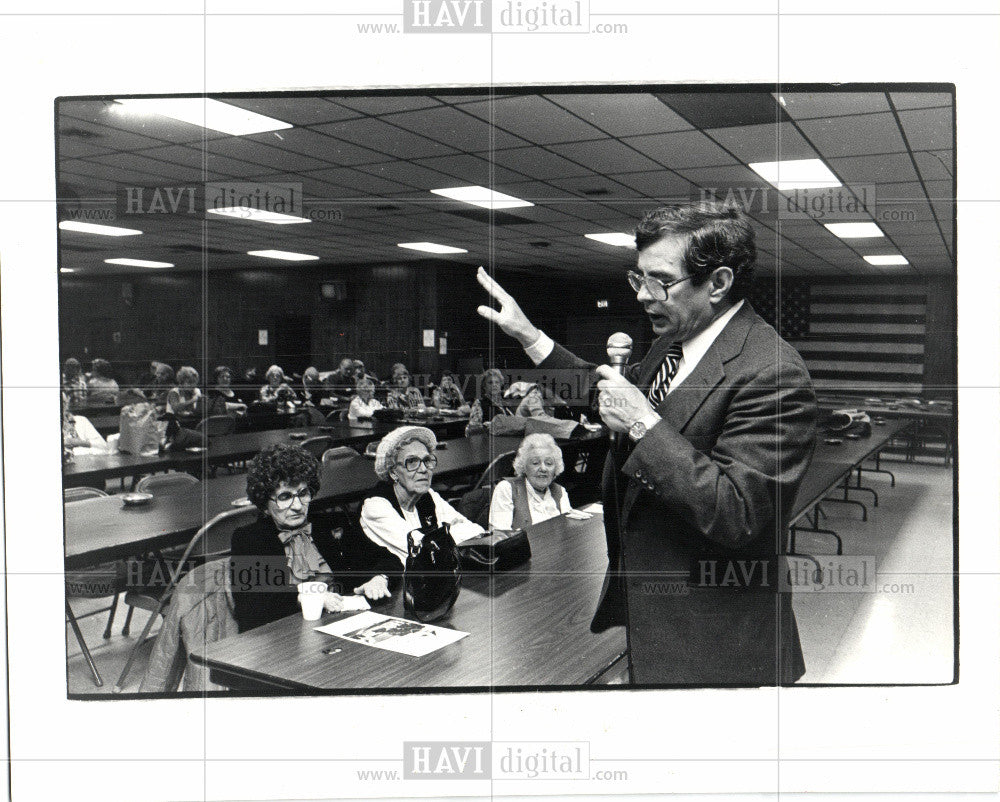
{"points": [[545, 443]]}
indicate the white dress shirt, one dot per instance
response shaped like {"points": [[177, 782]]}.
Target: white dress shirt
{"points": [[383, 525]]}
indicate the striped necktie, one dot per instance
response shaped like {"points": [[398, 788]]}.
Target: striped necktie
{"points": [[661, 382]]}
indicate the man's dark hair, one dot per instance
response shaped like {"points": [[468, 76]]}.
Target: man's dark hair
{"points": [[717, 235], [280, 463]]}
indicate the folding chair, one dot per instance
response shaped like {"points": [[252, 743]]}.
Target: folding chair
{"points": [[165, 482], [217, 424], [338, 453], [212, 541], [316, 445]]}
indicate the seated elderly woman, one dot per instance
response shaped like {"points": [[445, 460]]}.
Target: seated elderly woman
{"points": [[449, 395], [222, 399], [161, 382], [184, 399], [286, 545], [401, 394], [277, 390], [312, 392], [73, 382], [101, 388], [532, 496], [79, 434], [403, 501], [364, 404]]}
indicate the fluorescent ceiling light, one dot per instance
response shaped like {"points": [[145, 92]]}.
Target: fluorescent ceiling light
{"points": [[137, 263], [481, 196], [259, 215], [887, 259], [66, 270], [613, 238], [93, 228], [796, 174], [207, 113], [287, 256], [854, 230], [431, 247]]}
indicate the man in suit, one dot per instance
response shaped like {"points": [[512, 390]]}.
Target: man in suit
{"points": [[716, 426]]}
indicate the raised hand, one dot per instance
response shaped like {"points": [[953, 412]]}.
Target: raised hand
{"points": [[509, 317]]}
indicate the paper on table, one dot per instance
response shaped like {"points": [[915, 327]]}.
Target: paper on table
{"points": [[392, 634], [578, 515]]}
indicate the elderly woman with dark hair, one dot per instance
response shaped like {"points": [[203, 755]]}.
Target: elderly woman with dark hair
{"points": [[222, 399], [532, 496], [402, 395], [403, 502], [449, 395], [286, 545], [101, 387]]}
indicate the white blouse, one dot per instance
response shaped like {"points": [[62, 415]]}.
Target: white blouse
{"points": [[360, 409], [540, 507], [383, 525]]}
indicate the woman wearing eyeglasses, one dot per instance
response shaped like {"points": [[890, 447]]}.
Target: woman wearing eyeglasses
{"points": [[403, 501], [286, 545]]}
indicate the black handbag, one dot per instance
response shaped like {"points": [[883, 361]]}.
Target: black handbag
{"points": [[432, 575], [497, 551]]}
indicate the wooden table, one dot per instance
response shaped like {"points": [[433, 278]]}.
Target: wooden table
{"points": [[87, 469], [527, 628], [104, 529]]}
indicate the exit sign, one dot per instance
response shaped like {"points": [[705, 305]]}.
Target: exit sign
{"points": [[603, 304]]}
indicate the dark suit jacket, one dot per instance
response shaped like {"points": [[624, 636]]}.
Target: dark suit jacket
{"points": [[263, 588], [704, 499]]}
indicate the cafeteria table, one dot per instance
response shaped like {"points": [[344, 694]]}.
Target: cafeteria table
{"points": [[86, 469], [103, 529], [528, 627]]}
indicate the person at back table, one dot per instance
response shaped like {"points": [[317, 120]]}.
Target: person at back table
{"points": [[160, 385], [401, 394], [222, 399], [717, 425], [364, 405], [287, 545], [532, 495], [277, 390], [73, 382], [101, 387], [449, 396], [340, 382], [403, 502], [183, 400]]}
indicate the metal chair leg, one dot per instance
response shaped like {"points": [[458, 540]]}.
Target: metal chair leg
{"points": [[111, 617], [83, 646], [135, 649], [128, 621]]}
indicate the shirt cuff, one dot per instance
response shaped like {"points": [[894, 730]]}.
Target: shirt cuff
{"points": [[650, 420], [540, 349]]}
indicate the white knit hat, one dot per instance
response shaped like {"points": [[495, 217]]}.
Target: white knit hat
{"points": [[385, 454]]}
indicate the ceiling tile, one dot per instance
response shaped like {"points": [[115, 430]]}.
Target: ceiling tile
{"points": [[385, 138], [319, 146], [763, 143], [888, 168], [606, 155], [852, 135], [656, 184], [297, 110], [683, 149], [385, 104], [806, 105], [448, 125], [534, 118], [537, 163], [724, 109], [935, 165], [624, 114], [928, 129], [920, 100]]}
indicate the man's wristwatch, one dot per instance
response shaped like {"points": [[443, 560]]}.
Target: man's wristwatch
{"points": [[638, 429]]}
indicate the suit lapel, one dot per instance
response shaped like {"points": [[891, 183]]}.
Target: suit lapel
{"points": [[684, 400]]}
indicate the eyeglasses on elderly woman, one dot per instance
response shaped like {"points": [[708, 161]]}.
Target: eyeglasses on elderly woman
{"points": [[413, 463]]}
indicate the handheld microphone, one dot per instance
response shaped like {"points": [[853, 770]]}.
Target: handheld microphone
{"points": [[619, 350]]}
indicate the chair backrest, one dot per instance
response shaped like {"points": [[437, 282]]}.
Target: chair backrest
{"points": [[81, 493], [214, 539], [333, 417], [316, 445], [165, 482], [344, 414], [314, 417], [340, 452], [217, 424], [501, 467]]}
